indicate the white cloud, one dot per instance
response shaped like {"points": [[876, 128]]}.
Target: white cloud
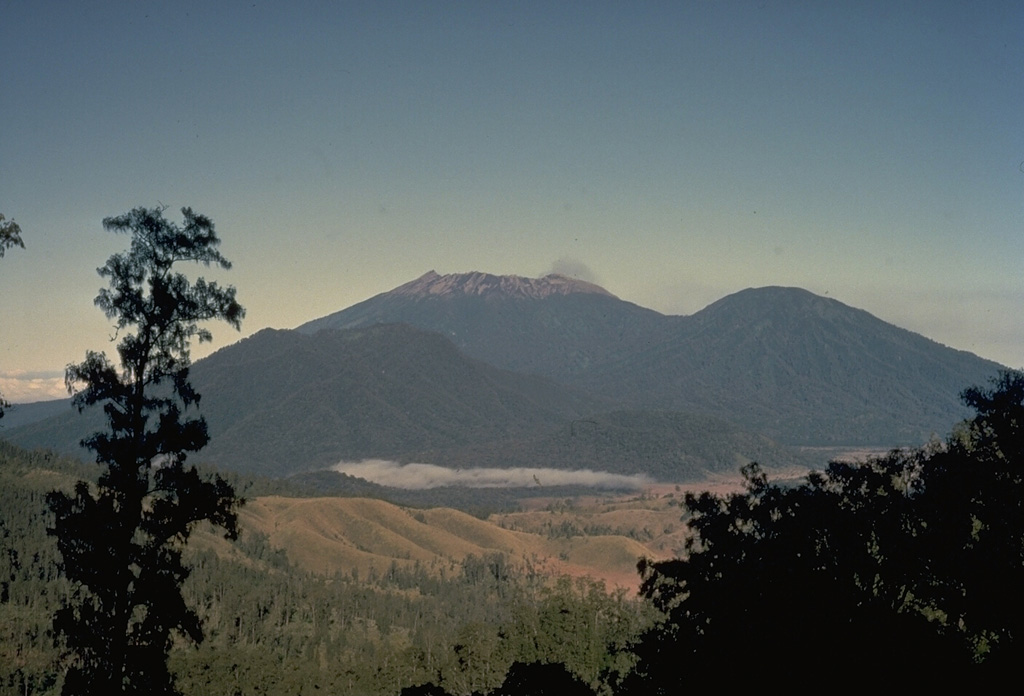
{"points": [[22, 387], [419, 476]]}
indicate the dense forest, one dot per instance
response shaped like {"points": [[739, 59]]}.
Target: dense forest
{"points": [[905, 566], [271, 628]]}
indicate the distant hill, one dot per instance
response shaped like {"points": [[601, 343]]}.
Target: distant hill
{"points": [[667, 445], [22, 414], [337, 535], [503, 371], [281, 402], [800, 368], [345, 536]]}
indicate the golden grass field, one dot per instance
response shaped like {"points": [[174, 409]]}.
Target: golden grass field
{"points": [[602, 537]]}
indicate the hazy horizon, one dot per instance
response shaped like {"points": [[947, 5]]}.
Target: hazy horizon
{"points": [[673, 154]]}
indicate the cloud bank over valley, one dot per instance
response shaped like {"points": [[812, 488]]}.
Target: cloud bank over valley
{"points": [[422, 476], [25, 386]]}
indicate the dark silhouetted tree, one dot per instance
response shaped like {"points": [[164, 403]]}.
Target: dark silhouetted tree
{"points": [[424, 690], [972, 503], [10, 236], [121, 540], [523, 679], [906, 568], [541, 679]]}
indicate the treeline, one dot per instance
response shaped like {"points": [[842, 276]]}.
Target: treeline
{"points": [[283, 632], [31, 588]]}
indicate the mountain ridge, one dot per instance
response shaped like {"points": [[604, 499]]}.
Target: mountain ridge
{"points": [[482, 370], [483, 284], [802, 368], [574, 324], [282, 403]]}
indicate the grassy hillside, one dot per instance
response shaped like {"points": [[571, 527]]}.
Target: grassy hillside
{"points": [[332, 536]]}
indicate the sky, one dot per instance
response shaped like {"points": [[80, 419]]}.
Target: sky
{"points": [[672, 152]]}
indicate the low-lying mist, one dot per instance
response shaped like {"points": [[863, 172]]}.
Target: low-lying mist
{"points": [[422, 476]]}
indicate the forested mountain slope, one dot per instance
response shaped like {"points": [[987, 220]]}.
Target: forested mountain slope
{"points": [[612, 386], [801, 369], [666, 445], [784, 362], [281, 402]]}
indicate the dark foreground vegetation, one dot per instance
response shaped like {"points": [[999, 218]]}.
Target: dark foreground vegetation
{"points": [[904, 569]]}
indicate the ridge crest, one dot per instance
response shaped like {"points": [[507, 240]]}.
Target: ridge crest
{"points": [[485, 284]]}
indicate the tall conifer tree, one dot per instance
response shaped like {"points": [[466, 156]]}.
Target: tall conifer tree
{"points": [[121, 540]]}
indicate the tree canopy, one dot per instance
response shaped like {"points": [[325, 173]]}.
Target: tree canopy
{"points": [[907, 567], [121, 541], [10, 235]]}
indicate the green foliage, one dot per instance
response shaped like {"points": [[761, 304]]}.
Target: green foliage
{"points": [[460, 627], [121, 540], [30, 586], [971, 496], [541, 679]]}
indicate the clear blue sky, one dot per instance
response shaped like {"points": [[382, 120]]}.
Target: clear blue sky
{"points": [[673, 152]]}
